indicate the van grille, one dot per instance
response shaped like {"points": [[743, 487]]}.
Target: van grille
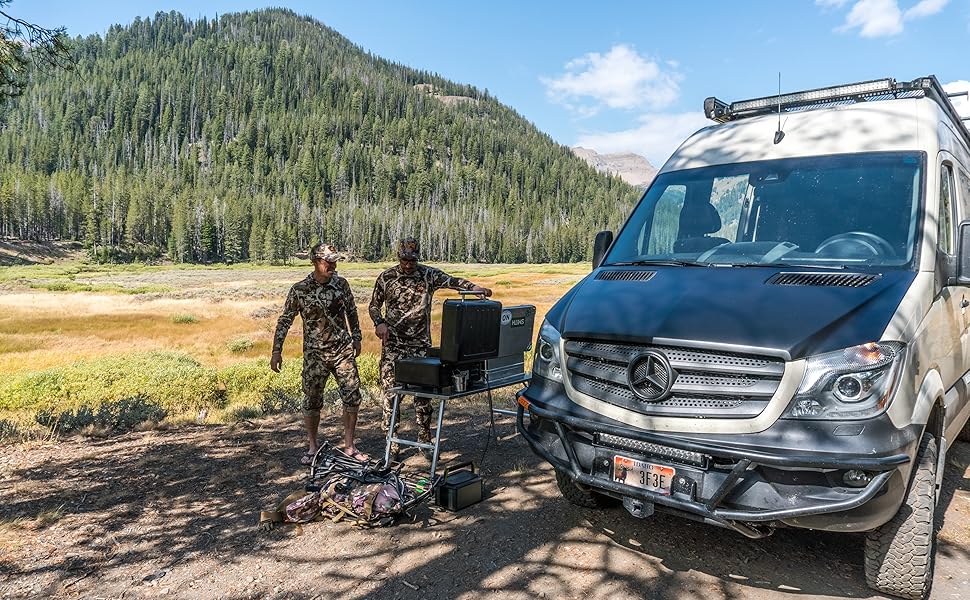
{"points": [[708, 383], [626, 275], [851, 280]]}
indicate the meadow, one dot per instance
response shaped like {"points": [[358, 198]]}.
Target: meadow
{"points": [[97, 348]]}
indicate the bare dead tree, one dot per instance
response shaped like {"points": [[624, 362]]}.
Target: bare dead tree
{"points": [[25, 46]]}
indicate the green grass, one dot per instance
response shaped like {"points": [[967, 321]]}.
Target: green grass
{"points": [[184, 318], [121, 393], [74, 286]]}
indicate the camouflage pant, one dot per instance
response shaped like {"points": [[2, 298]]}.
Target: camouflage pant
{"points": [[422, 406], [317, 367]]}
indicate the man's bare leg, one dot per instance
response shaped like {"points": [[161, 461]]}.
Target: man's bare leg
{"points": [[311, 419], [350, 426]]}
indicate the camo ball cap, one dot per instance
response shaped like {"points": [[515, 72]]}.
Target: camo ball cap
{"points": [[409, 249], [327, 252]]}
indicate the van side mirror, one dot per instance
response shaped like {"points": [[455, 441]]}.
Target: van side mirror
{"points": [[602, 243], [963, 254]]}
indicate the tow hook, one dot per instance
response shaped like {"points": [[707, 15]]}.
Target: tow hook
{"points": [[638, 508]]}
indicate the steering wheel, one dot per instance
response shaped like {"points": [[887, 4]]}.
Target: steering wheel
{"points": [[869, 241]]}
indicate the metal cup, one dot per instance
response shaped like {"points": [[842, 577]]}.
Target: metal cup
{"points": [[459, 381]]}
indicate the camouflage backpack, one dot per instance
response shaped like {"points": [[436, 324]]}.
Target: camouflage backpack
{"points": [[365, 497]]}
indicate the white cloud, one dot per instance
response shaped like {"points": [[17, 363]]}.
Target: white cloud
{"points": [[621, 78], [961, 103], [655, 137], [875, 18], [925, 8], [880, 18]]}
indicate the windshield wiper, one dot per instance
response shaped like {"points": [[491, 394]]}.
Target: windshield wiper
{"points": [[783, 265], [661, 262]]}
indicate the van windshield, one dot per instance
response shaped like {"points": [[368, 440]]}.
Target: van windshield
{"points": [[842, 211]]}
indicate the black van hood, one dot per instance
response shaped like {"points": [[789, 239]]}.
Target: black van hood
{"points": [[731, 306]]}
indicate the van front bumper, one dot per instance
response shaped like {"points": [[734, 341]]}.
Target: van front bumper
{"points": [[750, 483]]}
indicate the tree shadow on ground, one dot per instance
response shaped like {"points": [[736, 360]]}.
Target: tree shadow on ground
{"points": [[23, 252], [176, 511]]}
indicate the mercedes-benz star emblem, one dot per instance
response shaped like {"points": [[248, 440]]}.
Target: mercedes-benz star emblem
{"points": [[650, 376]]}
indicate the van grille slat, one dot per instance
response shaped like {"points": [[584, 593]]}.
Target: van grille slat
{"points": [[682, 359], [709, 384], [850, 280], [625, 275]]}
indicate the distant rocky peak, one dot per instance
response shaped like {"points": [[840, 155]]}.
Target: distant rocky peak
{"points": [[631, 168]]}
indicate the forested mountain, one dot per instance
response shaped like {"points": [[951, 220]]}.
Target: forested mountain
{"points": [[254, 135]]}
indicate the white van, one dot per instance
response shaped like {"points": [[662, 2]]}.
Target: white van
{"points": [[778, 335]]}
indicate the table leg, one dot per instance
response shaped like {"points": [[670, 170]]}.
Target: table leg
{"points": [[437, 439], [391, 429]]}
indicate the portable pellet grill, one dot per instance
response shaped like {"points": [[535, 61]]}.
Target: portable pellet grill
{"points": [[483, 348]]}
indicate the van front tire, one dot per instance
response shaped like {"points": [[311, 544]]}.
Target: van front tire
{"points": [[900, 553], [583, 497]]}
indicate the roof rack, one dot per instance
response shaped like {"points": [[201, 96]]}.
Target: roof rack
{"points": [[851, 93]]}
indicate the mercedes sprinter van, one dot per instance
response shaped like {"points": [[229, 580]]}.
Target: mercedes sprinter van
{"points": [[778, 334]]}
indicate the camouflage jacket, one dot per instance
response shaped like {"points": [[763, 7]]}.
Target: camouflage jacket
{"points": [[408, 303], [326, 308]]}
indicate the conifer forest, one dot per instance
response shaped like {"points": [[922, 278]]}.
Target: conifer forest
{"points": [[254, 135]]}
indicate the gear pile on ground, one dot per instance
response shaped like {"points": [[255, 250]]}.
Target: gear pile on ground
{"points": [[341, 487]]}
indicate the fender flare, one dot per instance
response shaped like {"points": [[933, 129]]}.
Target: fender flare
{"points": [[931, 391]]}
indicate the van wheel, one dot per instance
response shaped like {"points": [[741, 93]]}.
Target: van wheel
{"points": [[900, 553], [581, 497]]}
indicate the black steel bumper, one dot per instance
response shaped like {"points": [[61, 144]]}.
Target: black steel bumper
{"points": [[744, 489]]}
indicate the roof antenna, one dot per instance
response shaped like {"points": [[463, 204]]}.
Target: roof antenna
{"points": [[779, 135]]}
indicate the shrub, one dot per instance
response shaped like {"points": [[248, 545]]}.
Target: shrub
{"points": [[118, 392], [184, 318], [239, 345], [254, 384], [132, 391]]}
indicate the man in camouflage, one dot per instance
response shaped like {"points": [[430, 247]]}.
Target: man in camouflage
{"points": [[401, 310], [326, 304]]}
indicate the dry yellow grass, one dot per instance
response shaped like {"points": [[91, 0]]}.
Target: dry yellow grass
{"points": [[234, 310]]}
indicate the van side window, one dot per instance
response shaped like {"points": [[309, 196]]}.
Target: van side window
{"points": [[666, 219], [945, 238], [964, 194]]}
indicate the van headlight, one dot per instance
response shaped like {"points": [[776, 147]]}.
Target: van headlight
{"points": [[854, 383], [546, 362]]}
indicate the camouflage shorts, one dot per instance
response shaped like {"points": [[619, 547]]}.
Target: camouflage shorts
{"points": [[317, 367]]}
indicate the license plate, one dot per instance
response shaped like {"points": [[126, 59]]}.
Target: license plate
{"points": [[636, 473]]}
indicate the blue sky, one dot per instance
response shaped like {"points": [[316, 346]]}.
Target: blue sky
{"points": [[617, 76]]}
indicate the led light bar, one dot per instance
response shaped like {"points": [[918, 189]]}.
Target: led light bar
{"points": [[828, 94], [864, 91], [656, 450]]}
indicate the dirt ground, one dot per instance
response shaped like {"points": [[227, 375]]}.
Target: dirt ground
{"points": [[174, 514]]}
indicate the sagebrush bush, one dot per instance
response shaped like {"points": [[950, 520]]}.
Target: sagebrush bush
{"points": [[126, 392], [239, 345], [118, 391], [184, 318]]}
